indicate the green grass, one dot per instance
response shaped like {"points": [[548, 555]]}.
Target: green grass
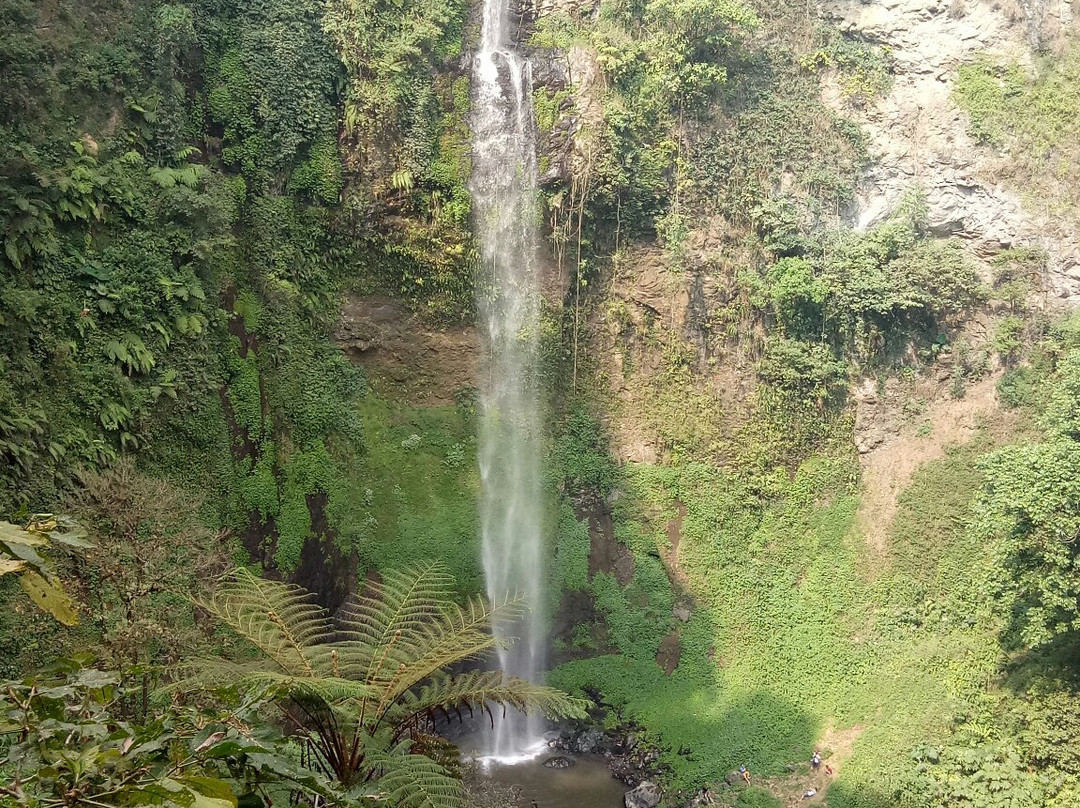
{"points": [[415, 496], [798, 626]]}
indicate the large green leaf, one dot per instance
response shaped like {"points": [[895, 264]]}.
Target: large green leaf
{"points": [[210, 792], [52, 599], [26, 553], [13, 534]]}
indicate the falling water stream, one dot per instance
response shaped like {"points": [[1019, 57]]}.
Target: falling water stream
{"points": [[503, 188]]}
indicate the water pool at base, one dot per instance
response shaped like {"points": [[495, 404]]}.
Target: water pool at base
{"points": [[586, 784]]}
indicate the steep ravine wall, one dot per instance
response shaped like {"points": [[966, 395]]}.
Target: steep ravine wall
{"points": [[718, 596], [919, 137], [762, 612]]}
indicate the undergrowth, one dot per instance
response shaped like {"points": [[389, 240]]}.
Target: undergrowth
{"points": [[1031, 112], [415, 496], [798, 629]]}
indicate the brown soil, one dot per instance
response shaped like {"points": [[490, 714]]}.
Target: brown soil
{"points": [[669, 653], [888, 468], [835, 746], [671, 557], [406, 358], [606, 553]]}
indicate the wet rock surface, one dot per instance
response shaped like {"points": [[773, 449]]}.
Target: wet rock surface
{"points": [[558, 762], [631, 760], [645, 795], [406, 357]]}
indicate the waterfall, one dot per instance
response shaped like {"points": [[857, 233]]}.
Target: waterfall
{"points": [[503, 188]]}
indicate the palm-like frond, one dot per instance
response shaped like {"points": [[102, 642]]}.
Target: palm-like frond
{"points": [[410, 781], [362, 683], [477, 688], [458, 633], [254, 676], [407, 613], [277, 618]]}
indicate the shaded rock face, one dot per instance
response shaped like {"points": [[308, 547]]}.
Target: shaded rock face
{"points": [[577, 607], [589, 742], [646, 795], [405, 357], [532, 10], [606, 553], [669, 653], [918, 136]]}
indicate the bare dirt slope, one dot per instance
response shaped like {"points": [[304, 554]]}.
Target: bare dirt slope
{"points": [[406, 358], [902, 448]]}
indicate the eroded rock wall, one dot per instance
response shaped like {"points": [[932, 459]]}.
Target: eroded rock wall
{"points": [[919, 137]]}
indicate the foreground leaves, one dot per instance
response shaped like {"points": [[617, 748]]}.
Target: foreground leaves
{"points": [[64, 741], [364, 686], [21, 554]]}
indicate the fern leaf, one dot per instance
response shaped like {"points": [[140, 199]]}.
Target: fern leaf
{"points": [[475, 689], [409, 618], [278, 618], [411, 781], [459, 634]]}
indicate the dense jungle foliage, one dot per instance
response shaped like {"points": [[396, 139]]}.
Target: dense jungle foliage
{"points": [[188, 191]]}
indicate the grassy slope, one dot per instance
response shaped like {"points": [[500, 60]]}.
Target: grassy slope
{"points": [[415, 496], [803, 638]]}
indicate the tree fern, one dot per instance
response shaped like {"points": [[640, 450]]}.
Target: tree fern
{"points": [[279, 619], [411, 781], [362, 685]]}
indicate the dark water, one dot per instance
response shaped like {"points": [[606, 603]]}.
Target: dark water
{"points": [[586, 784]]}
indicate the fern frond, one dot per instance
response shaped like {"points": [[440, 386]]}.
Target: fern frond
{"points": [[410, 781], [254, 677], [401, 605], [459, 634], [449, 693], [277, 618]]}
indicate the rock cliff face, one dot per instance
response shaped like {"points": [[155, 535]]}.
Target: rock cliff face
{"points": [[918, 136], [405, 357]]}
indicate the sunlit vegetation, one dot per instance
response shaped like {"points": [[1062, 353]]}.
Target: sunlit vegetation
{"points": [[1028, 111], [188, 190]]}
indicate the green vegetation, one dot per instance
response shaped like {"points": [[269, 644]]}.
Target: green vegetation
{"points": [[417, 496], [1007, 101], [789, 637], [187, 191], [1031, 111], [36, 575], [360, 694], [180, 758], [175, 249], [364, 687], [1027, 509], [864, 70], [869, 295], [958, 625]]}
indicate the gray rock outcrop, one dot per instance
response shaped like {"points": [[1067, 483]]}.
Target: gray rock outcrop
{"points": [[918, 137], [558, 762], [646, 795]]}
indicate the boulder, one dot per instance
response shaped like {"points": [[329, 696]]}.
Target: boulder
{"points": [[646, 795], [702, 799], [558, 762], [588, 742]]}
